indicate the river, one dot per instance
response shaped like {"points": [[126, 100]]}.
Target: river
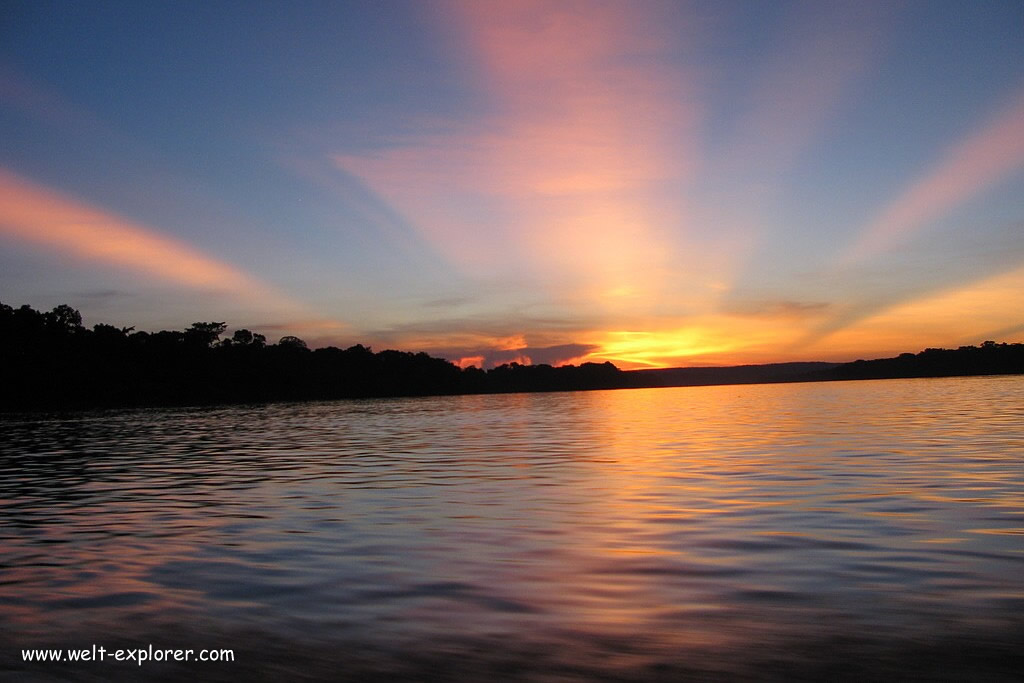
{"points": [[843, 530]]}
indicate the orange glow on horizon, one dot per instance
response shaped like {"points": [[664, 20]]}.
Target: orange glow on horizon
{"points": [[968, 315], [699, 344], [962, 316]]}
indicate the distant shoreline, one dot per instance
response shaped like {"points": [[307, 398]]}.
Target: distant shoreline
{"points": [[50, 361], [989, 359]]}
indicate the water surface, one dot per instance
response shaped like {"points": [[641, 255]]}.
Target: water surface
{"points": [[851, 530]]}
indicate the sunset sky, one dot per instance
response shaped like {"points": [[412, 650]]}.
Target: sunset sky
{"points": [[654, 184]]}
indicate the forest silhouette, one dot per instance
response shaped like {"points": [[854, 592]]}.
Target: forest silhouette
{"points": [[51, 361]]}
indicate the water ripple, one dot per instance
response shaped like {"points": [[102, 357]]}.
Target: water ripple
{"points": [[619, 527]]}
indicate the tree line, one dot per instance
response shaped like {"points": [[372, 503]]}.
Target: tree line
{"points": [[50, 360], [990, 358]]}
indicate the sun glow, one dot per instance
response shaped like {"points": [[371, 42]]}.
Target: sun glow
{"points": [[556, 187], [653, 184], [966, 315], [635, 349]]}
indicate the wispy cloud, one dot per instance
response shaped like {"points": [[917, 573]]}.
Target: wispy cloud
{"points": [[830, 47], [489, 357], [966, 314], [813, 63], [555, 181], [38, 215], [775, 309], [1012, 333], [982, 159], [923, 274], [593, 123]]}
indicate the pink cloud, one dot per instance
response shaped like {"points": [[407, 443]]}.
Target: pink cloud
{"points": [[470, 361], [38, 215], [982, 159], [585, 113]]}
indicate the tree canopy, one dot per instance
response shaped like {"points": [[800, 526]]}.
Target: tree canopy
{"points": [[50, 360]]}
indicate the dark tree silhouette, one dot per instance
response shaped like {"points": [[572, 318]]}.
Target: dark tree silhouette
{"points": [[49, 360], [245, 338], [205, 334], [291, 342], [63, 318]]}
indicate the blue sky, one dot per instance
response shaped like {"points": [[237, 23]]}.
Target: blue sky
{"points": [[647, 183]]}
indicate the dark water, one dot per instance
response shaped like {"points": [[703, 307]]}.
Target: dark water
{"points": [[858, 530]]}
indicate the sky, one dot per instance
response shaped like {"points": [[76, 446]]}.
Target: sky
{"points": [[655, 184]]}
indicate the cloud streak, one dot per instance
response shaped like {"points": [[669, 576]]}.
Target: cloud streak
{"points": [[489, 357], [38, 215], [554, 182], [833, 46], [794, 310], [967, 314], [982, 159]]}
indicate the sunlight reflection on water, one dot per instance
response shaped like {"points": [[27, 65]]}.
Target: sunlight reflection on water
{"points": [[713, 531]]}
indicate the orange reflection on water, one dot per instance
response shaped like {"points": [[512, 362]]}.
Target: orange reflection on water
{"points": [[627, 528]]}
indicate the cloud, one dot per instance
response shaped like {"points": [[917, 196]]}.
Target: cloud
{"points": [[448, 302], [1013, 332], [983, 158], [562, 354], [814, 64], [636, 340], [492, 356], [38, 215], [776, 309], [988, 308], [103, 294], [497, 329], [469, 362], [906, 275], [553, 182], [361, 202], [799, 86]]}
